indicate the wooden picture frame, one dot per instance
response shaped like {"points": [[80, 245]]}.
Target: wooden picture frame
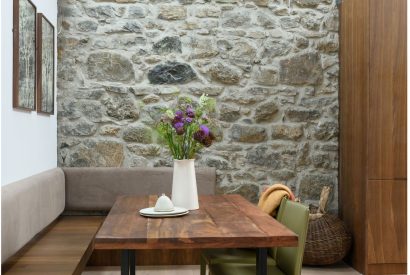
{"points": [[45, 65], [24, 55]]}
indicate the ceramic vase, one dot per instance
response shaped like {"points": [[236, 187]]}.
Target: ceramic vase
{"points": [[184, 190]]}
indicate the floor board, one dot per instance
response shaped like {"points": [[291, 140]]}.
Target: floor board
{"points": [[339, 269]]}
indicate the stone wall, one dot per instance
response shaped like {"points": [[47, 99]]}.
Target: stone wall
{"points": [[272, 68]]}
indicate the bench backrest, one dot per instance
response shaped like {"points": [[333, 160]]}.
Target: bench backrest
{"points": [[28, 206], [95, 189]]}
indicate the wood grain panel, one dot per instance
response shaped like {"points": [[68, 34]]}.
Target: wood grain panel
{"points": [[388, 86], [354, 86], [152, 257], [62, 248], [377, 269], [219, 222], [386, 221]]}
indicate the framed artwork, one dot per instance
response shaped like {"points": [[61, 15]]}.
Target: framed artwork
{"points": [[45, 65], [24, 54]]}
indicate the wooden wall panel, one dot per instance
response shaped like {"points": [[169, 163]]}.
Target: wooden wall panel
{"points": [[354, 86], [387, 126], [386, 221]]}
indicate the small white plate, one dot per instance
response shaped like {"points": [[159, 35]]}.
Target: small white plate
{"points": [[150, 212]]}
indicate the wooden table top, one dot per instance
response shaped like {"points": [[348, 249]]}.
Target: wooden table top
{"points": [[222, 221]]}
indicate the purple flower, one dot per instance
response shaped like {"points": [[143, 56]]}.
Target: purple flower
{"points": [[188, 120], [190, 112], [179, 115], [180, 131], [204, 136], [204, 129], [179, 127]]}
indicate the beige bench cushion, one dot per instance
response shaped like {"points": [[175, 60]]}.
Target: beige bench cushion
{"points": [[97, 188], [27, 206]]}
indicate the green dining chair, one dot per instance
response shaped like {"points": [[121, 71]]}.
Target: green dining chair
{"points": [[285, 260], [235, 255]]}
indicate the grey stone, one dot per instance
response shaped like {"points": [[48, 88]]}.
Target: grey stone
{"points": [[117, 1], [301, 114], [172, 12], [331, 21], [243, 52], [229, 113], [248, 134], [261, 3], [307, 3], [121, 108], [138, 133], [101, 12], [91, 110], [301, 42], [329, 44], [208, 11], [148, 99], [266, 111], [98, 154], [217, 162], [235, 19], [224, 73], [106, 66], [311, 185], [133, 27], [287, 132], [80, 128], [109, 130], [151, 150], [171, 73], [208, 90], [302, 158], [282, 175], [273, 48], [326, 130], [227, 1], [247, 96], [167, 45], [247, 190], [87, 26], [304, 68], [289, 22], [263, 157], [321, 160], [311, 20], [266, 20], [136, 12], [265, 76]]}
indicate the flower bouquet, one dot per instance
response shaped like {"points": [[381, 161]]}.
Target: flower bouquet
{"points": [[185, 129]]}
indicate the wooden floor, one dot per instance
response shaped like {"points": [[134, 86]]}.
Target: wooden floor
{"points": [[340, 269]]}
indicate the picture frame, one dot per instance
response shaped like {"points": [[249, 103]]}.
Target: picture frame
{"points": [[45, 65], [24, 55]]}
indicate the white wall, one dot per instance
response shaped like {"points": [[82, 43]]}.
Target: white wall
{"points": [[28, 140]]}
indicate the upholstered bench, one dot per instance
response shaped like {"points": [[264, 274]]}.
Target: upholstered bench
{"points": [[49, 220]]}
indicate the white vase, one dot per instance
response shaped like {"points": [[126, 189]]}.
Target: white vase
{"points": [[184, 190]]}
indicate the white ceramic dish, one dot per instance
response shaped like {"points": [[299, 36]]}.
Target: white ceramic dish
{"points": [[150, 212]]}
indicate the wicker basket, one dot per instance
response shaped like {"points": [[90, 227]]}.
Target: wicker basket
{"points": [[327, 241]]}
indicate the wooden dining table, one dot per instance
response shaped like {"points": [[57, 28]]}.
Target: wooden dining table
{"points": [[222, 221]]}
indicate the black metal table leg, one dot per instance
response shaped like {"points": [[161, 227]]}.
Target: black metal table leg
{"points": [[132, 262], [125, 262], [262, 261]]}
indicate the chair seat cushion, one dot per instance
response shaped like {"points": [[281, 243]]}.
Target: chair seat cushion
{"points": [[233, 255], [240, 269]]}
